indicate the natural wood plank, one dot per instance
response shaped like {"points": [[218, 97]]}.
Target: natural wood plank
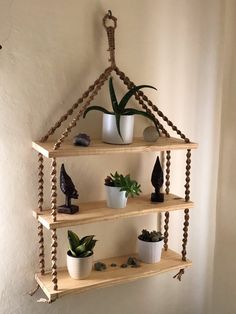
{"points": [[98, 211], [111, 276], [99, 148]]}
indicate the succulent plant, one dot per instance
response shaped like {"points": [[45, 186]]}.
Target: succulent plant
{"points": [[153, 236], [119, 108], [80, 247], [125, 183]]}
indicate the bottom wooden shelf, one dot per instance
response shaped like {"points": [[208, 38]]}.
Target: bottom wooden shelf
{"points": [[111, 276]]}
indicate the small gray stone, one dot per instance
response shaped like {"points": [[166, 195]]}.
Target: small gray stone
{"points": [[133, 262], [150, 134], [82, 139], [99, 266], [113, 265]]}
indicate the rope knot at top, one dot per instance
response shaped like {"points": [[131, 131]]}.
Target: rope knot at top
{"points": [[111, 35]]}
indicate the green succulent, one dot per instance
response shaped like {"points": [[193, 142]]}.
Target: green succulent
{"points": [[125, 183], [153, 236], [80, 247], [119, 108]]}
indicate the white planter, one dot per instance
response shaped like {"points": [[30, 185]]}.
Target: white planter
{"points": [[79, 267], [150, 252], [109, 130], [115, 197]]}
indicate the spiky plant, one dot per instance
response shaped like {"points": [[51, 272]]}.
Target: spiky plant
{"points": [[80, 247], [119, 108]]}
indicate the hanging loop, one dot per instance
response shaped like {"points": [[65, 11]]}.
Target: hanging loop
{"points": [[108, 17], [111, 35]]}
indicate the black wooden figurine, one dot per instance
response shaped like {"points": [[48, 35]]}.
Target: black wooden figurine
{"points": [[68, 188], [157, 181]]}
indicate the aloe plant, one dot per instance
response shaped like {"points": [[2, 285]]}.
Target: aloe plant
{"points": [[80, 247], [125, 183], [119, 108]]}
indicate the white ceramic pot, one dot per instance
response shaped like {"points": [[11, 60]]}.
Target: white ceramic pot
{"points": [[109, 130], [79, 267], [115, 197], [150, 252]]}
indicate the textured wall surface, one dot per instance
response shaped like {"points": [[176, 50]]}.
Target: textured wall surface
{"points": [[224, 292], [52, 50]]}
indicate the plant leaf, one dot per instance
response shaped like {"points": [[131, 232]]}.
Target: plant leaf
{"points": [[80, 249], [87, 253], [73, 253], [97, 108], [92, 245], [86, 239], [133, 111], [73, 240], [129, 94], [114, 101], [118, 125]]}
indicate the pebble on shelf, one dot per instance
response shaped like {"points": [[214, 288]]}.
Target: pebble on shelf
{"points": [[150, 134], [82, 139]]}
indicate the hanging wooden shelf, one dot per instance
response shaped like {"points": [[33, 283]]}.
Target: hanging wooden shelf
{"points": [[97, 147], [98, 211], [57, 282], [111, 276]]}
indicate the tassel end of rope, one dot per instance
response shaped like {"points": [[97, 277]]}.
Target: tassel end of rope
{"points": [[43, 300], [179, 274]]}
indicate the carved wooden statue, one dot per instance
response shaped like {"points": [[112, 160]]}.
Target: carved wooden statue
{"points": [[157, 181], [68, 188]]}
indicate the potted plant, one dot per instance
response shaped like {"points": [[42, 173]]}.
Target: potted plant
{"points": [[150, 246], [80, 255], [119, 188], [118, 125]]}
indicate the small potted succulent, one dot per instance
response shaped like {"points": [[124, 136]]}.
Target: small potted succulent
{"points": [[118, 125], [119, 188], [80, 255], [150, 246]]}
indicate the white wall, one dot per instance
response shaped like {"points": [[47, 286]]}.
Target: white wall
{"points": [[224, 292], [51, 51]]}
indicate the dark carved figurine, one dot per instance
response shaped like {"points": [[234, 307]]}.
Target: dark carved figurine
{"points": [[68, 188], [157, 181]]}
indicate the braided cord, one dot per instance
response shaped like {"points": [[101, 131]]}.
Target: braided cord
{"points": [[167, 183], [186, 211], [71, 110], [140, 94], [130, 85], [40, 206], [54, 189], [73, 123], [54, 258]]}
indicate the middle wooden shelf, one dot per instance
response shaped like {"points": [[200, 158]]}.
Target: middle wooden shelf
{"points": [[91, 212]]}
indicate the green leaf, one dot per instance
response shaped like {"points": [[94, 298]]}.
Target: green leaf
{"points": [[118, 125], [113, 97], [87, 253], [132, 111], [80, 249], [129, 94], [131, 187], [73, 240], [86, 239], [92, 245], [97, 108], [73, 253]]}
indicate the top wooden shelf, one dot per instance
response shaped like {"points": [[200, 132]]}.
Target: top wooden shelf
{"points": [[97, 147]]}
